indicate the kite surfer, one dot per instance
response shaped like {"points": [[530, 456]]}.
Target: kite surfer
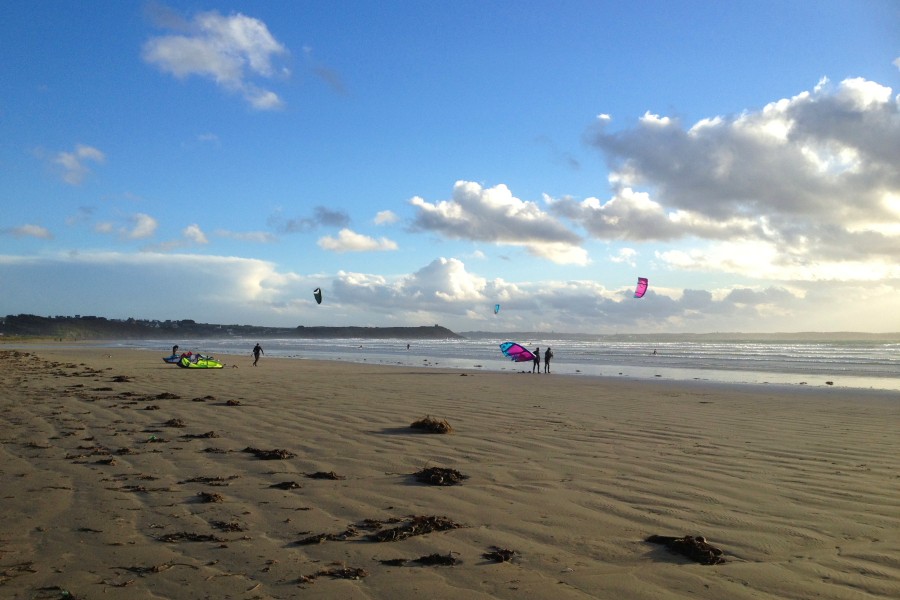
{"points": [[537, 361], [257, 350], [547, 356]]}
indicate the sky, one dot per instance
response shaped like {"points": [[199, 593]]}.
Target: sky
{"points": [[422, 162]]}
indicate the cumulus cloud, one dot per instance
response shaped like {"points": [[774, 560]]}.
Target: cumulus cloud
{"points": [[495, 215], [812, 180], [143, 226], [138, 226], [321, 217], [195, 234], [75, 164], [443, 291], [233, 51], [350, 241], [386, 217], [28, 230]]}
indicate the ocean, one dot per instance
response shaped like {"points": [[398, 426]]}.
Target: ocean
{"points": [[836, 363]]}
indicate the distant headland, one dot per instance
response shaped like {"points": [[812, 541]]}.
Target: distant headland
{"points": [[99, 328]]}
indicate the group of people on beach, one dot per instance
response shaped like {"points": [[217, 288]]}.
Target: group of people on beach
{"points": [[536, 365], [257, 350]]}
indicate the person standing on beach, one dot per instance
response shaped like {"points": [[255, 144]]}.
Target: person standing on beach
{"points": [[257, 350], [547, 356], [174, 349], [537, 360]]}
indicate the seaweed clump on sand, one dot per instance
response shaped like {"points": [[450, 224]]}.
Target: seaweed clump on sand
{"points": [[417, 525], [209, 497], [431, 425], [286, 485], [328, 537], [498, 554], [440, 476], [444, 560], [277, 454], [185, 536], [694, 547], [325, 475]]}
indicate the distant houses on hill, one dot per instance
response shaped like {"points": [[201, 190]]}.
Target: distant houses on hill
{"points": [[86, 327]]}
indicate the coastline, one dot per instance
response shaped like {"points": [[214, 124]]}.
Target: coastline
{"points": [[796, 485], [838, 367]]}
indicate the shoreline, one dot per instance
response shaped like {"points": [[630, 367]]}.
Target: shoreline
{"points": [[876, 383]]}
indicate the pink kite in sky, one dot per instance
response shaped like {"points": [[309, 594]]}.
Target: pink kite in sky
{"points": [[641, 287]]}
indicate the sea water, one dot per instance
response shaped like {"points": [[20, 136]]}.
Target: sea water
{"points": [[845, 364]]}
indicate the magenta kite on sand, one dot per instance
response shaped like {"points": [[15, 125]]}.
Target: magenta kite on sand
{"points": [[516, 352]]}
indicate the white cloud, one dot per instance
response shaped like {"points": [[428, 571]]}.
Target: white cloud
{"points": [[75, 163], [35, 231], [138, 226], [626, 256], [143, 226], [386, 217], [231, 51], [805, 180], [495, 215], [228, 290], [195, 234], [350, 241]]}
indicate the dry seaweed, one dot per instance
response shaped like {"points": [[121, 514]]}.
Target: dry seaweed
{"points": [[498, 554], [437, 559], [186, 536], [430, 559], [417, 525], [233, 403], [203, 399], [221, 481], [431, 425], [325, 475], [286, 485], [694, 547], [167, 396], [344, 573], [208, 497], [328, 537], [393, 562], [201, 436], [440, 476], [228, 526], [276, 454], [174, 423]]}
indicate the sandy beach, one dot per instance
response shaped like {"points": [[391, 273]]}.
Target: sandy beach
{"points": [[127, 478]]}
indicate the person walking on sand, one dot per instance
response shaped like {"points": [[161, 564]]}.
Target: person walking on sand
{"points": [[537, 360], [547, 356], [257, 350]]}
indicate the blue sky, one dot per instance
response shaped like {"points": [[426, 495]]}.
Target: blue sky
{"points": [[423, 161]]}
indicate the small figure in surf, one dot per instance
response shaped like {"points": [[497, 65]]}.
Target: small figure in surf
{"points": [[537, 360], [257, 350], [547, 356]]}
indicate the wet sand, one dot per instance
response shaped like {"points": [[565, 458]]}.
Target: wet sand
{"points": [[124, 477]]}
